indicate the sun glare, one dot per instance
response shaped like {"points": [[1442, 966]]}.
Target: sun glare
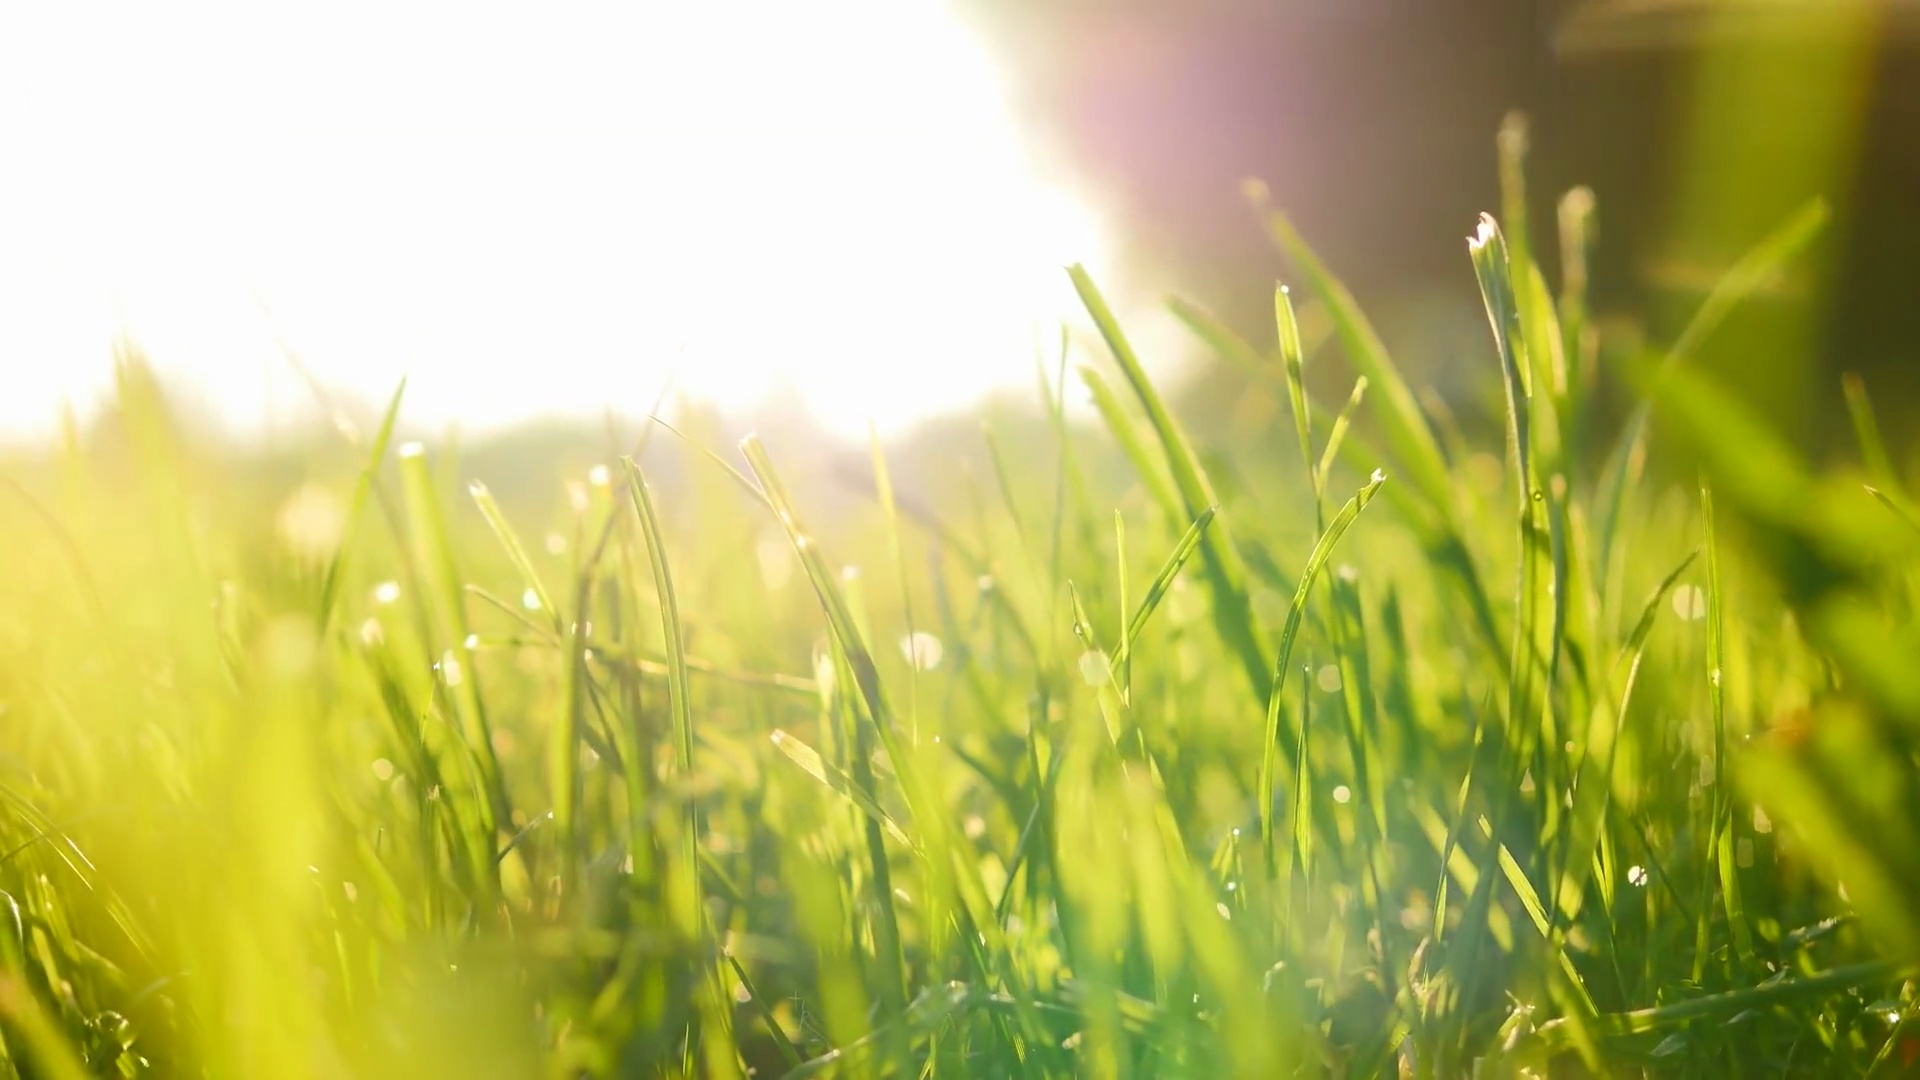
{"points": [[828, 203]]}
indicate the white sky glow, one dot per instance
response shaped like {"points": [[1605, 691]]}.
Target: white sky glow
{"points": [[527, 210]]}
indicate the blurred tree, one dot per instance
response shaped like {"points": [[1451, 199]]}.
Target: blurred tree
{"points": [[1699, 125]]}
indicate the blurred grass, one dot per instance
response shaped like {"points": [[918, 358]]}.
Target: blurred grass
{"points": [[359, 780]]}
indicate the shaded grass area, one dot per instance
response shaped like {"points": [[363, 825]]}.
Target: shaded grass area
{"points": [[1343, 756]]}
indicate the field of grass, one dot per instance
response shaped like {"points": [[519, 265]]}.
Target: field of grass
{"points": [[1376, 750]]}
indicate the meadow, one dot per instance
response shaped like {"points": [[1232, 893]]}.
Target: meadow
{"points": [[1377, 748]]}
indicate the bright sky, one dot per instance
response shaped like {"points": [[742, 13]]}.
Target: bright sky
{"points": [[530, 209]]}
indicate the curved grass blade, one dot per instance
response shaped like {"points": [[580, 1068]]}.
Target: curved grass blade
{"points": [[1338, 433], [1232, 609], [1866, 430], [1163, 581], [1722, 844], [1406, 427], [516, 553], [1127, 434], [716, 1012], [838, 782], [846, 633], [1295, 364], [329, 589], [1276, 738]]}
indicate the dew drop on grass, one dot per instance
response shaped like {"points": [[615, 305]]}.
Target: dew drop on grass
{"points": [[1342, 794], [1093, 667], [382, 768], [1328, 679], [598, 476], [386, 592], [472, 642], [371, 632], [450, 668], [1689, 602], [556, 544], [1224, 911], [1761, 822], [530, 600], [922, 650], [1637, 875], [411, 449]]}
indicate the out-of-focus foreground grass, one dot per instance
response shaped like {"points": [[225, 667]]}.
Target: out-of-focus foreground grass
{"points": [[1270, 764]]}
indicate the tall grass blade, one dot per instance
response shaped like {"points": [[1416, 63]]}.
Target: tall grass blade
{"points": [[1276, 738], [330, 587], [1233, 611], [1406, 427]]}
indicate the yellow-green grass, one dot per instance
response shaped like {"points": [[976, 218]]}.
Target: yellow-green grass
{"points": [[1341, 753]]}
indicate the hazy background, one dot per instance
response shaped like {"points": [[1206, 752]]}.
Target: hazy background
{"points": [[854, 210]]}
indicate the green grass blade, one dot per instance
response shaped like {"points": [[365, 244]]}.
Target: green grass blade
{"points": [[1730, 894], [1873, 449], [1157, 591], [859, 659], [1233, 611], [1126, 432], [1277, 739], [838, 782], [1294, 362], [1337, 434], [1761, 266], [1406, 427], [516, 553], [716, 1010], [330, 588], [433, 552]]}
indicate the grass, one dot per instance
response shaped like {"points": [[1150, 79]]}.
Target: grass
{"points": [[1068, 777]]}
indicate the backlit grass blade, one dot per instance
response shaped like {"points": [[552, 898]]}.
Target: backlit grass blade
{"points": [[775, 1032], [838, 782], [1294, 364], [433, 553], [1406, 427], [1593, 788], [1904, 514], [1759, 267], [1126, 432], [1337, 434], [516, 553], [329, 589], [847, 635], [1218, 337], [717, 1045], [1866, 430], [1277, 739], [1233, 612], [1157, 591], [1761, 264], [1722, 835]]}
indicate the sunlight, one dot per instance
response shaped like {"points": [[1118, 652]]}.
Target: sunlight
{"points": [[826, 203]]}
